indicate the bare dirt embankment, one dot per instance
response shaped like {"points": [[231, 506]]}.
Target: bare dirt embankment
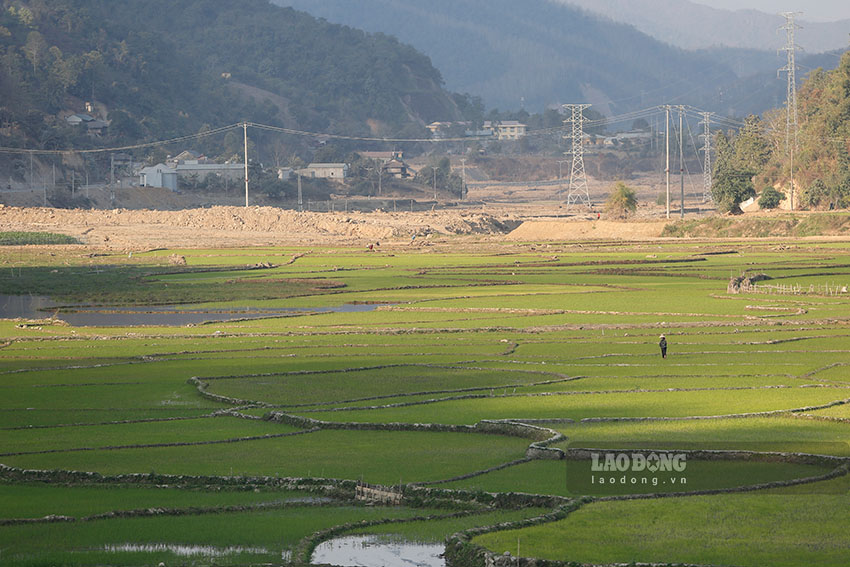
{"points": [[241, 226], [121, 229], [584, 229]]}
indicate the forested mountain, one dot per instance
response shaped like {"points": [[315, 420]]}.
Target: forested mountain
{"points": [[160, 68], [694, 26]]}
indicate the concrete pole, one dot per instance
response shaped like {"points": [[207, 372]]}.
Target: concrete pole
{"points": [[245, 138]]}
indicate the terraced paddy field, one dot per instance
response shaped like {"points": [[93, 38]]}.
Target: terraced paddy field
{"points": [[510, 397]]}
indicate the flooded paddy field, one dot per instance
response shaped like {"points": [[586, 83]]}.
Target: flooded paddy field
{"points": [[426, 403]]}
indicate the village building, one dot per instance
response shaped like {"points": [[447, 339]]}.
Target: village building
{"points": [[439, 130], [397, 168], [78, 119], [159, 175], [506, 129], [285, 173], [187, 157], [94, 126], [335, 171]]}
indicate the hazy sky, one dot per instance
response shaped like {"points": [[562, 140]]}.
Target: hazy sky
{"points": [[813, 10]]}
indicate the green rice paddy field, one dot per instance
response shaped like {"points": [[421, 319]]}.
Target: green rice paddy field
{"points": [[385, 367]]}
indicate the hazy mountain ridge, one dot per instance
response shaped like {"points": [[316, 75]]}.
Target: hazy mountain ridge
{"points": [[544, 52], [540, 51], [695, 26]]}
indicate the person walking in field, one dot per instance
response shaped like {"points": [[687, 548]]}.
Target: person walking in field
{"points": [[663, 344]]}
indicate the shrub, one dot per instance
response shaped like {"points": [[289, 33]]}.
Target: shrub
{"points": [[621, 202], [770, 198]]}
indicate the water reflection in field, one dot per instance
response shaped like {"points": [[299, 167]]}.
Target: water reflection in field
{"points": [[183, 550], [41, 307], [372, 551]]}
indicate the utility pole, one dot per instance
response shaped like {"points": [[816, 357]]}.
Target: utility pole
{"points": [[561, 163], [435, 183], [463, 178], [706, 148], [681, 163], [245, 138], [791, 96], [300, 195], [578, 177], [378, 164], [667, 141], [434, 171], [112, 180]]}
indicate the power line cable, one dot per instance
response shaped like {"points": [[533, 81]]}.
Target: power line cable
{"points": [[122, 148]]}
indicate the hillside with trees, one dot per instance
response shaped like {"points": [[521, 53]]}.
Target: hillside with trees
{"points": [[757, 158], [160, 68]]}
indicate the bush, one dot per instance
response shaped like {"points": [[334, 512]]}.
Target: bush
{"points": [[621, 202], [770, 198]]}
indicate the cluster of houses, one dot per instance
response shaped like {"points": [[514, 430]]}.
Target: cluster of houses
{"points": [[187, 164], [392, 164], [499, 130], [94, 126]]}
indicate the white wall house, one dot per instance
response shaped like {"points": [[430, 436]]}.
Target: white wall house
{"points": [[338, 171], [159, 175]]}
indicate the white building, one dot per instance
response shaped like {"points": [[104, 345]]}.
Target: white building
{"points": [[159, 175], [337, 171]]}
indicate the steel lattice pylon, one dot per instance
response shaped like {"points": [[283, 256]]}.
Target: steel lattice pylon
{"points": [[791, 68], [791, 99], [578, 177], [706, 167]]}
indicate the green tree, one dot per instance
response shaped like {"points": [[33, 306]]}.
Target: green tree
{"points": [[752, 148], [733, 182], [730, 188], [622, 201], [770, 198]]}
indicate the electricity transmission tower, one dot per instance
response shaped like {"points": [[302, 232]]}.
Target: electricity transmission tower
{"points": [[706, 148], [578, 177], [791, 98]]}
